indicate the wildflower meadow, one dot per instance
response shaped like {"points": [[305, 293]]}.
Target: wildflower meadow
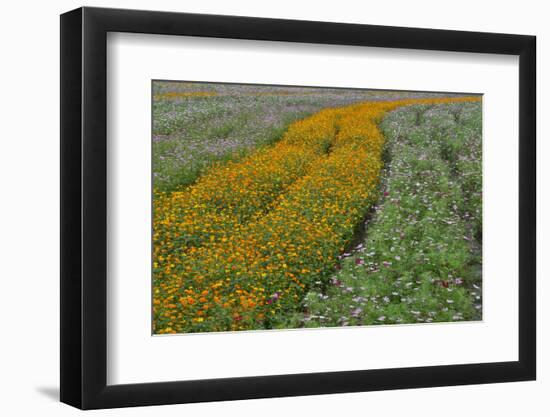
{"points": [[295, 207]]}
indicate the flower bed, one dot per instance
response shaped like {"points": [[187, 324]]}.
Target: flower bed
{"points": [[241, 248]]}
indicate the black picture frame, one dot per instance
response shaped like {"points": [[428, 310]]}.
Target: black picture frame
{"points": [[84, 207]]}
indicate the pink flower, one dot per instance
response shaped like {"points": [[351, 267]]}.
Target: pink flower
{"points": [[356, 312]]}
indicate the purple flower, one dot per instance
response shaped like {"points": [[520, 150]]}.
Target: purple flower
{"points": [[273, 298], [356, 312], [336, 282]]}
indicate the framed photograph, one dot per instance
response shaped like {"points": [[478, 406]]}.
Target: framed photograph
{"points": [[257, 208]]}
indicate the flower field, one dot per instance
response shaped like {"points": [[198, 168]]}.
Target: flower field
{"points": [[196, 125], [420, 260], [254, 238]]}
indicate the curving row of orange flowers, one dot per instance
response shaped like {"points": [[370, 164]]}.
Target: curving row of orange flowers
{"points": [[228, 195], [239, 249]]}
